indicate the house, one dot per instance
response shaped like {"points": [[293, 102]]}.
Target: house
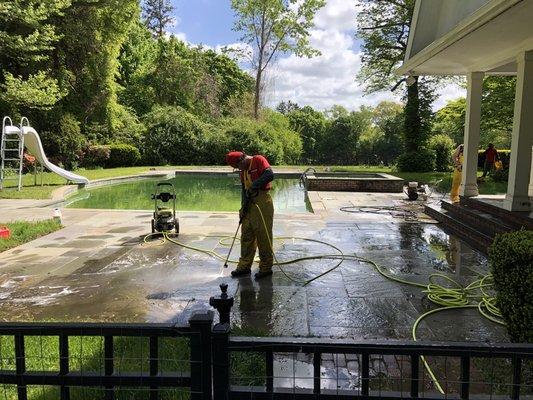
{"points": [[476, 38]]}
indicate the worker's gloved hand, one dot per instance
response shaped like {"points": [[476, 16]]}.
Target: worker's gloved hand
{"points": [[242, 213]]}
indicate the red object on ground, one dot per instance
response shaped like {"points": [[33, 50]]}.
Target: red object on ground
{"points": [[5, 233]]}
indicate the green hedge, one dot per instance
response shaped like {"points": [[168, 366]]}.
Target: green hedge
{"points": [[511, 261], [442, 145], [421, 161], [96, 156], [175, 136], [111, 156], [123, 155]]}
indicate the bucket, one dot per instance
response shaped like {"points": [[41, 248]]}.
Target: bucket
{"points": [[57, 215], [5, 233]]}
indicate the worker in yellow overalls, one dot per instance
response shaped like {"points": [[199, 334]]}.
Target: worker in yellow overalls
{"points": [[256, 214], [457, 173]]}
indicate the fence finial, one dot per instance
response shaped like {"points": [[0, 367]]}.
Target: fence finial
{"points": [[222, 303]]}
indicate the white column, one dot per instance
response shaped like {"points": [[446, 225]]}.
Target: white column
{"points": [[517, 198], [468, 186]]}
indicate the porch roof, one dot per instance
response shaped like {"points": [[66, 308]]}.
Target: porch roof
{"points": [[450, 37]]}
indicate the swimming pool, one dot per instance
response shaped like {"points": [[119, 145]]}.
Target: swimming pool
{"points": [[194, 193]]}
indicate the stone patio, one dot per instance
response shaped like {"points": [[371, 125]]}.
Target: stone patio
{"points": [[97, 269]]}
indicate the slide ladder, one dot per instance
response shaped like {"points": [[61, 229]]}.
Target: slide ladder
{"points": [[12, 153]]}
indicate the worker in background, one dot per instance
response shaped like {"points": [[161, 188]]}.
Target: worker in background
{"points": [[256, 213], [491, 156], [457, 159]]}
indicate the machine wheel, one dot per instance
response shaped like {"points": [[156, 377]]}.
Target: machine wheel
{"points": [[177, 226], [153, 226]]}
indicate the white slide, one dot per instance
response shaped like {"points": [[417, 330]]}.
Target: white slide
{"points": [[32, 142]]}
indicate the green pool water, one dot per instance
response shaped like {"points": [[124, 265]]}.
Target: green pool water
{"points": [[194, 193]]}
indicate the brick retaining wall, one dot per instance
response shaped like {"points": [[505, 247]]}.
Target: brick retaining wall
{"points": [[382, 183]]}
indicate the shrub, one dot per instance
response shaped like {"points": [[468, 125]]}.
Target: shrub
{"points": [[511, 261], [273, 138], [128, 130], [174, 136], [253, 138], [64, 141], [422, 160], [96, 156], [123, 155], [442, 145], [501, 175]]}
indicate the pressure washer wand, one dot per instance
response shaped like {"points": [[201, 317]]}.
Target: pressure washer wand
{"points": [[232, 243]]}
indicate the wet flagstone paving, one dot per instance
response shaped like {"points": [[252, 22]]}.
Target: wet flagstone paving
{"points": [[98, 269]]}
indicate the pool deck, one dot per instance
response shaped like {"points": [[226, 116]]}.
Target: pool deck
{"points": [[97, 269]]}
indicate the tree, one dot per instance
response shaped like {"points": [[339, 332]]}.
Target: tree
{"points": [[497, 112], [28, 37], [286, 107], [87, 58], [273, 26], [157, 15], [384, 28], [312, 126], [339, 145]]}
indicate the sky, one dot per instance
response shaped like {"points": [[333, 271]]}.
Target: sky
{"points": [[320, 82]]}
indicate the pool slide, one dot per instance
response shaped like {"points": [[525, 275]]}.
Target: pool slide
{"points": [[32, 142]]}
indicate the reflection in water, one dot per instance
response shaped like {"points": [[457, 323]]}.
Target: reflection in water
{"points": [[256, 307], [194, 193]]}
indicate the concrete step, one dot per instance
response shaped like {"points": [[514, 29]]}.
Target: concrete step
{"points": [[478, 220], [453, 225], [514, 219]]}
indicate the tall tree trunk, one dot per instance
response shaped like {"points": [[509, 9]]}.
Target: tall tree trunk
{"points": [[257, 97], [413, 120]]}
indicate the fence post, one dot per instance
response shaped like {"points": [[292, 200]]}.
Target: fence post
{"points": [[221, 362], [200, 342], [221, 357]]}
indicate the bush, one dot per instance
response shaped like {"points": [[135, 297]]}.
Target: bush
{"points": [[511, 261], [501, 175], [64, 142], [128, 130], [96, 156], [254, 138], [122, 155], [177, 137], [442, 145], [422, 160]]}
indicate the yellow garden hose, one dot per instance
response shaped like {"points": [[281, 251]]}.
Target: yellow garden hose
{"points": [[449, 294]]}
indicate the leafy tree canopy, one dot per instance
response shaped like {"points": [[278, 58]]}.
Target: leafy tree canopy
{"points": [[273, 26]]}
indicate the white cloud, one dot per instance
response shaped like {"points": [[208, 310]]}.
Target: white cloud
{"points": [[239, 51], [330, 78], [337, 14], [449, 92]]}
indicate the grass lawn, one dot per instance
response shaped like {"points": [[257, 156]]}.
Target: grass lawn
{"points": [[130, 355], [52, 181], [22, 232]]}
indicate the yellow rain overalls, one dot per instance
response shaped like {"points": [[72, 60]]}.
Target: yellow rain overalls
{"points": [[257, 229], [457, 177]]}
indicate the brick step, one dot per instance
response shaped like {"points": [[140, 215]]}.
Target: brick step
{"points": [[454, 226], [486, 223], [516, 220]]}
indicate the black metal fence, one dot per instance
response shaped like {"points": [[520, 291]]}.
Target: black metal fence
{"points": [[203, 361]]}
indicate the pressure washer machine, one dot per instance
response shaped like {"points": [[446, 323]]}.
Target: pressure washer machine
{"points": [[164, 219]]}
